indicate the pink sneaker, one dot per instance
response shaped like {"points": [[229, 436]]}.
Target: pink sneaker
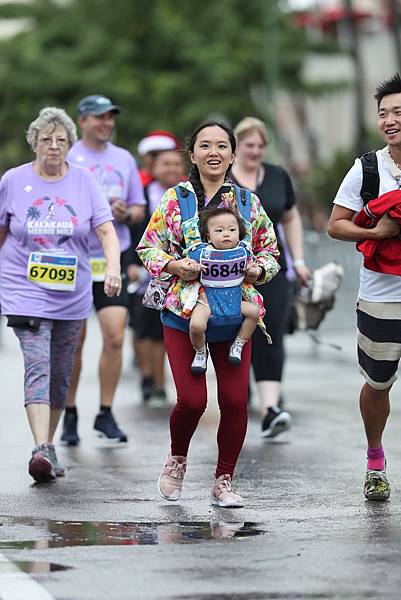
{"points": [[172, 476], [223, 494]]}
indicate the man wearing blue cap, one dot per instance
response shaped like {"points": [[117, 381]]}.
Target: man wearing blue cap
{"points": [[116, 171]]}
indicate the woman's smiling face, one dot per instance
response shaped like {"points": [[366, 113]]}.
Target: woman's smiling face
{"points": [[212, 152]]}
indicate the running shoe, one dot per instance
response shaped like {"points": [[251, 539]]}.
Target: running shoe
{"points": [[70, 435], [58, 468], [172, 477], [147, 388], [158, 399], [275, 422], [199, 363], [223, 495], [41, 466], [235, 354], [376, 485], [106, 427]]}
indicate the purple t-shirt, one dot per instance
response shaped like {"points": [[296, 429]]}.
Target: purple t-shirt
{"points": [[155, 194], [54, 218], [116, 171]]}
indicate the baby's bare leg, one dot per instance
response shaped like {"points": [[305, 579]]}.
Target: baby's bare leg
{"points": [[197, 325], [250, 312]]}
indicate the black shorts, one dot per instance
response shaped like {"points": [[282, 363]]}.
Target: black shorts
{"points": [[100, 300], [144, 321]]}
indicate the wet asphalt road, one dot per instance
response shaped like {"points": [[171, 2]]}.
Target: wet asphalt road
{"points": [[103, 533]]}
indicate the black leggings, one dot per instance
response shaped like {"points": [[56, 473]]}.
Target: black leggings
{"points": [[268, 359]]}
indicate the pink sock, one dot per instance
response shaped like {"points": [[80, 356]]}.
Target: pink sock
{"points": [[376, 459]]}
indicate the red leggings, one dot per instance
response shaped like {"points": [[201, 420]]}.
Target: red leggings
{"points": [[232, 392]]}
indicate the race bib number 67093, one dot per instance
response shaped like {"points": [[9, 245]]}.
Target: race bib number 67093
{"points": [[52, 271]]}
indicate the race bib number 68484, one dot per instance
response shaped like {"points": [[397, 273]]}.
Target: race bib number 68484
{"points": [[223, 268]]}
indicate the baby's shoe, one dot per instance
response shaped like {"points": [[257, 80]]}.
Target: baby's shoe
{"points": [[199, 363], [235, 354]]}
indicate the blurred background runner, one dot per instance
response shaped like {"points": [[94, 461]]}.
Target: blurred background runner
{"points": [[115, 169]]}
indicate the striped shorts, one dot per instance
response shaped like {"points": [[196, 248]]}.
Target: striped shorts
{"points": [[379, 342]]}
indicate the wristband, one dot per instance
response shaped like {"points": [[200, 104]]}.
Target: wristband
{"points": [[298, 262]]}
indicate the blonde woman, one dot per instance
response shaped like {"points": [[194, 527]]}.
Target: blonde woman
{"points": [[272, 184]]}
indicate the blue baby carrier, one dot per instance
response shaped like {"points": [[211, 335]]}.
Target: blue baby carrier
{"points": [[225, 269]]}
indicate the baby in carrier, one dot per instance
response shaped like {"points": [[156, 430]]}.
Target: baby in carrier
{"points": [[224, 261]]}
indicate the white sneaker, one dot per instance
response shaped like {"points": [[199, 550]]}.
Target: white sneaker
{"points": [[235, 354], [199, 363]]}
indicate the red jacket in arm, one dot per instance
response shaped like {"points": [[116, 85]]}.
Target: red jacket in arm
{"points": [[382, 256]]}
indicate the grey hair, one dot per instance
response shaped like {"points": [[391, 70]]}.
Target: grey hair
{"points": [[50, 115]]}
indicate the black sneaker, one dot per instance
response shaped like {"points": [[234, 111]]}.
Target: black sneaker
{"points": [[70, 435], [147, 388], [275, 422], [106, 427]]}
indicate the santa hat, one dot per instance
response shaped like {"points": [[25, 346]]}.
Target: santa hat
{"points": [[156, 141]]}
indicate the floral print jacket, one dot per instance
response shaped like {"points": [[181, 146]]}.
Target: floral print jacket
{"points": [[163, 241]]}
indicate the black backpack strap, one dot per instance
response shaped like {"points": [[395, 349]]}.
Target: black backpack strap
{"points": [[370, 177], [147, 206]]}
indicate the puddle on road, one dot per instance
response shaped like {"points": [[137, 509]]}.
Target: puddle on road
{"points": [[60, 534]]}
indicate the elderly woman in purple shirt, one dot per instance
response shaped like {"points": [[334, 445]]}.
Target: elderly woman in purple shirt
{"points": [[47, 209]]}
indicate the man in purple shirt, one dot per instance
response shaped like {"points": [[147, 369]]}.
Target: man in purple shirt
{"points": [[116, 170]]}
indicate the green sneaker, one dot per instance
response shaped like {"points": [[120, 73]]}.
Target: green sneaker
{"points": [[376, 485]]}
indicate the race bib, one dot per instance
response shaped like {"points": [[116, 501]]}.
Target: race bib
{"points": [[53, 271], [223, 268], [98, 268]]}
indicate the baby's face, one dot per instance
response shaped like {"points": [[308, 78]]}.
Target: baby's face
{"points": [[223, 231]]}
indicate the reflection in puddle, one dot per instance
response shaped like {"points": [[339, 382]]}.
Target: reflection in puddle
{"points": [[58, 534]]}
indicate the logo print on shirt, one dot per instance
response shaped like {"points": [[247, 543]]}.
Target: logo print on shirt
{"points": [[39, 224], [110, 179], [28, 188]]}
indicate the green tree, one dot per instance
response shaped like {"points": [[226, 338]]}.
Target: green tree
{"points": [[168, 64]]}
